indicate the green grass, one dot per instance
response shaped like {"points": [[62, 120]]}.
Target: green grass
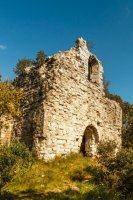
{"points": [[61, 179]]}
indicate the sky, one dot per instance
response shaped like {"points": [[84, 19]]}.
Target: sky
{"points": [[28, 26]]}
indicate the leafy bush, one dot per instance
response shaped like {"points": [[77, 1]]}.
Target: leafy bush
{"points": [[106, 148], [13, 158], [106, 151], [124, 168], [116, 171]]}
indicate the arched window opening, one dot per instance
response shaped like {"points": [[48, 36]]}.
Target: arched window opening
{"points": [[93, 69], [90, 141]]}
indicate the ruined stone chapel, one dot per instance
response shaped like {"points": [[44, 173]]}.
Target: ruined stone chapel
{"points": [[65, 109]]}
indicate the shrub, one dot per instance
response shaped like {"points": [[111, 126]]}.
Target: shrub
{"points": [[116, 171], [106, 151], [13, 158], [124, 168]]}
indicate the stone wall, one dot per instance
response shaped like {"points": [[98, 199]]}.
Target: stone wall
{"points": [[65, 109]]}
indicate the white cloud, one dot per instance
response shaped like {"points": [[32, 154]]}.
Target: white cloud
{"points": [[3, 47]]}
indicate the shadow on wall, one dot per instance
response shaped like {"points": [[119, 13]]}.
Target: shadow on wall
{"points": [[27, 126]]}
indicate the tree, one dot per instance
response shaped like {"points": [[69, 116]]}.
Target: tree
{"points": [[21, 65], [40, 58], [10, 98]]}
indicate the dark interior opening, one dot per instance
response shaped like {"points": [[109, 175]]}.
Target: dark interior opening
{"points": [[92, 62], [89, 141]]}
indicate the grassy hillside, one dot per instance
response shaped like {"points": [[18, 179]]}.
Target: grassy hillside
{"points": [[70, 178]]}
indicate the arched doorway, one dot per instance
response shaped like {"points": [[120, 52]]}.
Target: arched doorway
{"points": [[90, 141]]}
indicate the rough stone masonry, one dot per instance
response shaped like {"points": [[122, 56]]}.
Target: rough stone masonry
{"points": [[65, 109]]}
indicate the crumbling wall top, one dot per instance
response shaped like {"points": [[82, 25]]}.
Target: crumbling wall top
{"points": [[80, 42]]}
